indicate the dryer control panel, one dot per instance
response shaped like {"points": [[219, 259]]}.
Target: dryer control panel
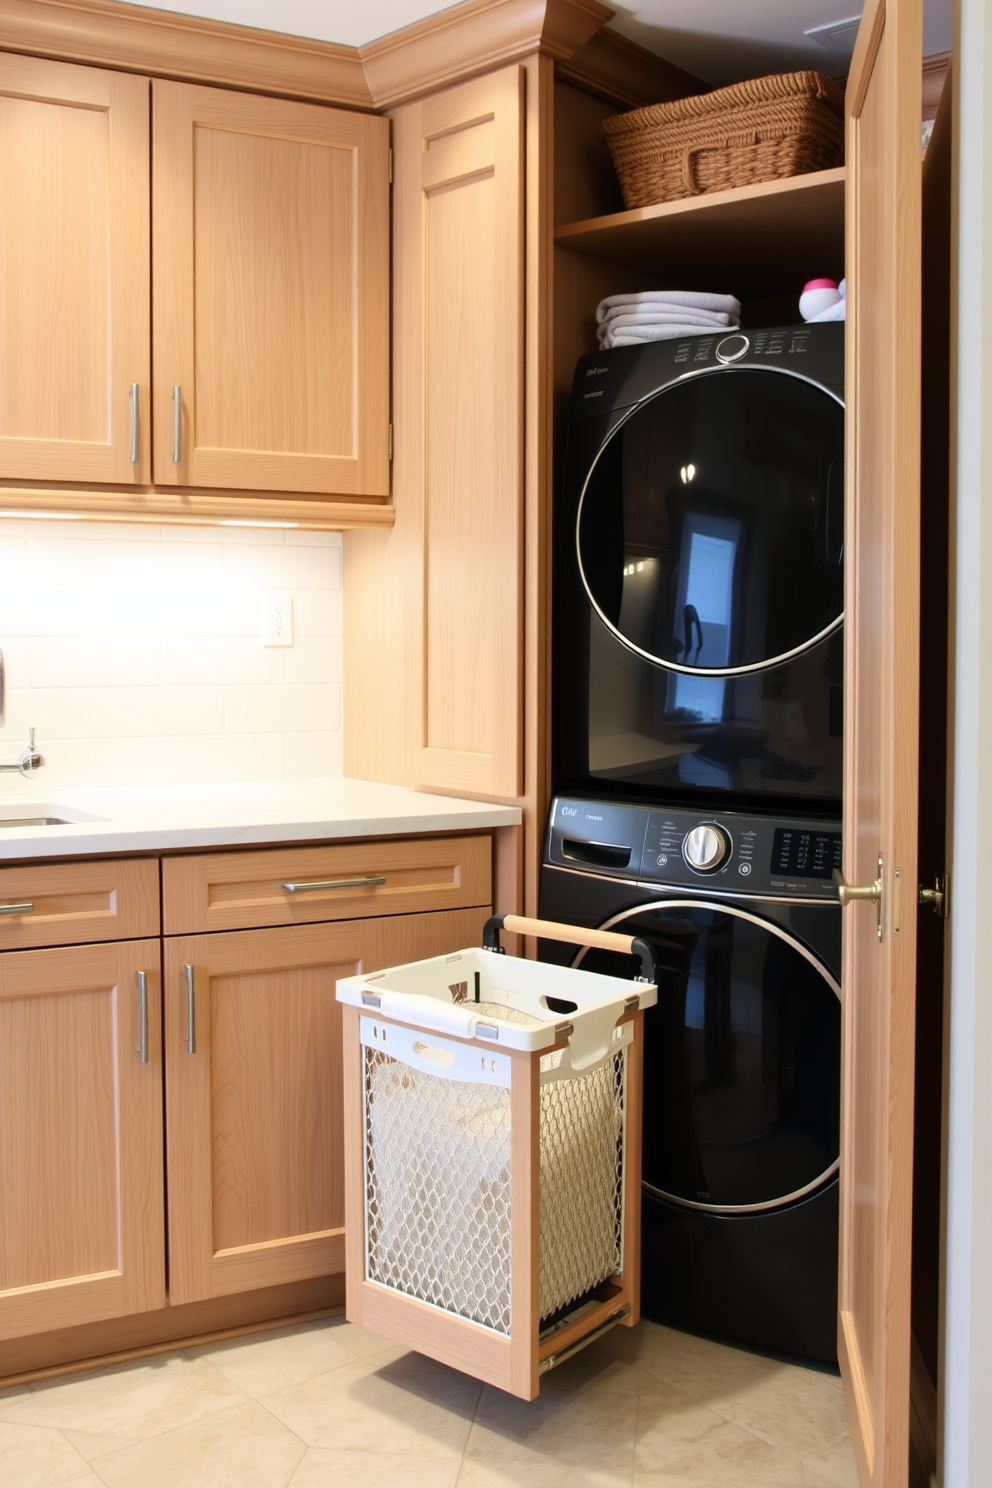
{"points": [[728, 852]]}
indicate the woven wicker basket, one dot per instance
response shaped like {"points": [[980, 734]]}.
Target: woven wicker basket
{"points": [[759, 130]]}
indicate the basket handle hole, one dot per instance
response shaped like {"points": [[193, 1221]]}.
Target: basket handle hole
{"points": [[434, 1054], [560, 1005]]}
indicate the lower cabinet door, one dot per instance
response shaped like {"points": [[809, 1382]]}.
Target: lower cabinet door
{"points": [[82, 1225], [253, 1069]]}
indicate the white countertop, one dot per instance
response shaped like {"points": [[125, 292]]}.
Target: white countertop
{"points": [[155, 819]]}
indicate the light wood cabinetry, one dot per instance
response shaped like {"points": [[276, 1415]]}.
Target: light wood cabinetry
{"points": [[74, 273], [271, 258], [298, 885], [254, 1119], [269, 312], [459, 221], [236, 1033], [54, 904], [81, 1216]]}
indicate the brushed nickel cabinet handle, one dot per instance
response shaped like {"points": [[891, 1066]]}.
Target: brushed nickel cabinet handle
{"points": [[177, 423], [134, 423], [190, 1011], [372, 880], [143, 1007], [26, 908]]}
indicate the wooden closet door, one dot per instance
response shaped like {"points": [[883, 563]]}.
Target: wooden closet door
{"points": [[459, 214], [881, 731], [74, 273], [82, 1227], [254, 1120], [271, 293]]}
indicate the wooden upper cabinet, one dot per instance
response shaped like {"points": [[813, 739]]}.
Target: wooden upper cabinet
{"points": [[74, 273], [271, 294], [459, 221]]}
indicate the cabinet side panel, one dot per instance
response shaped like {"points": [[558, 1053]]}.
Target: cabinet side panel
{"points": [[471, 220]]}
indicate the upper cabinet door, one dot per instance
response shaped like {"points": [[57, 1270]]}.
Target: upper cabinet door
{"points": [[459, 393], [74, 273], [271, 294], [881, 730]]}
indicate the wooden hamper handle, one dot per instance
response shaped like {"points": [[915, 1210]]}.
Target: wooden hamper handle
{"points": [[603, 940]]}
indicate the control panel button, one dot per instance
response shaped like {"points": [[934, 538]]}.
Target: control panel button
{"points": [[731, 348], [705, 848]]}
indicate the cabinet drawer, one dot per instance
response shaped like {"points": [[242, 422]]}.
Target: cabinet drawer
{"points": [[244, 890], [71, 903]]}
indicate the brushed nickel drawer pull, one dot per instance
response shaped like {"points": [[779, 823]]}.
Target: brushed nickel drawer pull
{"points": [[26, 908], [177, 424], [134, 423], [371, 881], [190, 1011], [143, 1005]]}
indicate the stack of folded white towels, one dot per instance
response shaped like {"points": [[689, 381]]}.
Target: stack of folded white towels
{"points": [[661, 314]]}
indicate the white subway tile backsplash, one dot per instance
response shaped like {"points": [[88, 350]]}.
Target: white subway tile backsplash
{"points": [[318, 612], [283, 567], [158, 712], [195, 660], [69, 661], [42, 609], [56, 713], [310, 756], [290, 708], [136, 653], [314, 659]]}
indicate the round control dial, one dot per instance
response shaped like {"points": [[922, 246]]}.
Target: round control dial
{"points": [[705, 847]]}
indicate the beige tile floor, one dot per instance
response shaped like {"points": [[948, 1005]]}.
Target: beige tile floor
{"points": [[328, 1405]]}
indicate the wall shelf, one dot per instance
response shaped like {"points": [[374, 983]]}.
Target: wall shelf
{"points": [[759, 240]]}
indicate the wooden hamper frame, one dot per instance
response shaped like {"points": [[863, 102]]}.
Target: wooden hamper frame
{"points": [[514, 1363]]}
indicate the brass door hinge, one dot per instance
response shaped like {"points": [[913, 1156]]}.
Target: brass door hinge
{"points": [[939, 897], [390, 165], [390, 441]]}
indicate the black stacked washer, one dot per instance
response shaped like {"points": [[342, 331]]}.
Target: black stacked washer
{"points": [[697, 733]]}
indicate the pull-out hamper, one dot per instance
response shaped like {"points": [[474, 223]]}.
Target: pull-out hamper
{"points": [[492, 1154]]}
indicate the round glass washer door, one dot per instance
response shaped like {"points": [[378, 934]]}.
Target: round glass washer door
{"points": [[709, 533], [741, 1058]]}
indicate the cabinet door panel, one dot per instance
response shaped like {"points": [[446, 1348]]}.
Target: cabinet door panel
{"points": [[253, 1114], [271, 293], [81, 1219], [881, 733], [459, 308], [74, 272]]}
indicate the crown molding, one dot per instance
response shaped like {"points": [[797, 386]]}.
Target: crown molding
{"points": [[472, 38], [619, 70], [177, 46], [934, 72], [442, 49]]}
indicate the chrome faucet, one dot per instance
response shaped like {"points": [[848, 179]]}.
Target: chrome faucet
{"points": [[27, 761]]}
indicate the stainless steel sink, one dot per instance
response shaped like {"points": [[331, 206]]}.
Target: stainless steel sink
{"points": [[33, 821], [14, 815]]}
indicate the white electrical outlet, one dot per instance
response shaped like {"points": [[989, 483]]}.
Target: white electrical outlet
{"points": [[277, 620]]}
